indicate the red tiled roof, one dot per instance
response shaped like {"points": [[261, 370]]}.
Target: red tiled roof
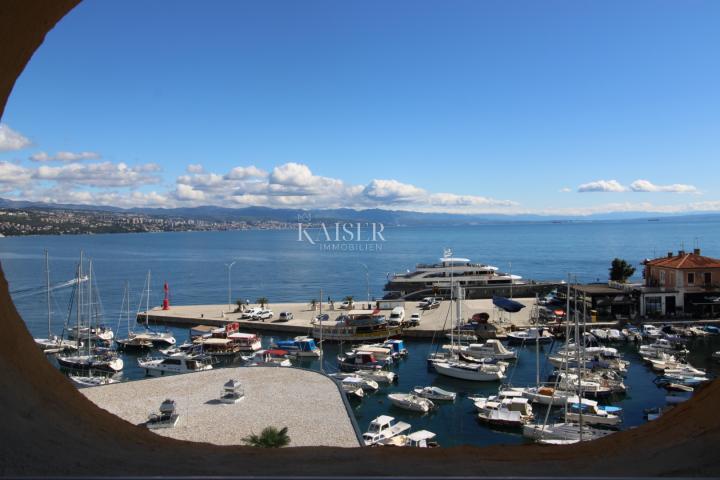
{"points": [[687, 260]]}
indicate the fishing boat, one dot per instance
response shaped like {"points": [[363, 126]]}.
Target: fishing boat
{"points": [[269, 358], [383, 427], [412, 402], [435, 393], [91, 381], [299, 347], [356, 326], [178, 363], [383, 354], [397, 346], [359, 360], [419, 439]]}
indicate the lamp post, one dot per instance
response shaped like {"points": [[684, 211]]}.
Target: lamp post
{"points": [[367, 281], [229, 268]]}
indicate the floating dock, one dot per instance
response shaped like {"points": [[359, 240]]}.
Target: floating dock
{"points": [[308, 403]]}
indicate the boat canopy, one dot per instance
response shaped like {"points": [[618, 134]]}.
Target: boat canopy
{"points": [[421, 435], [508, 305], [454, 260]]}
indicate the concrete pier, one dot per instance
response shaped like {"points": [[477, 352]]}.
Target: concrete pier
{"points": [[308, 403], [432, 321]]}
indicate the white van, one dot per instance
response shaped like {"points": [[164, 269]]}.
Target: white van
{"points": [[397, 316]]}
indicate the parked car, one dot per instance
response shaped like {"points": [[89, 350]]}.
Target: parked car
{"points": [[285, 316], [251, 313], [264, 315], [346, 305], [397, 316], [414, 320], [431, 305]]}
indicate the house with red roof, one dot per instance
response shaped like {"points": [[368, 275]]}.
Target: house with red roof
{"points": [[684, 284]]}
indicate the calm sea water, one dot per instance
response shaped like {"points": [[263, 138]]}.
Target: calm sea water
{"points": [[276, 265]]}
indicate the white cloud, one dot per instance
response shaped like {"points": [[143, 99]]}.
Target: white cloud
{"points": [[647, 186], [64, 157], [602, 186], [186, 192], [195, 168], [13, 174], [392, 190], [11, 140], [106, 174], [565, 190], [242, 173]]}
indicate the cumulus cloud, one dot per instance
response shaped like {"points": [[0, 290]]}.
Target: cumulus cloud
{"points": [[11, 140], [392, 191], [602, 186], [13, 174], [565, 190], [106, 174], [242, 173], [186, 192], [64, 157], [195, 168], [647, 186]]}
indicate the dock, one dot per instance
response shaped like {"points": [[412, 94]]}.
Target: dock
{"points": [[432, 321], [308, 403]]}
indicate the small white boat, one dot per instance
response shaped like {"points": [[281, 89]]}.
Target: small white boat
{"points": [[379, 376], [529, 336], [179, 363], [412, 402], [562, 433], [167, 418], [511, 411], [383, 427], [232, 392], [363, 382], [91, 381], [383, 354], [545, 395], [716, 356], [490, 349], [269, 358], [435, 393], [57, 345], [419, 439], [352, 386]]}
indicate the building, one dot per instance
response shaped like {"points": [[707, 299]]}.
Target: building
{"points": [[683, 285]]}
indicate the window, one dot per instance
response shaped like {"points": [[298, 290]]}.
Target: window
{"points": [[708, 278], [653, 305], [662, 277], [691, 278]]}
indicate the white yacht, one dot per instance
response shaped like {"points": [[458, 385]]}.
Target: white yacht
{"points": [[410, 401], [479, 280], [490, 349], [504, 410]]}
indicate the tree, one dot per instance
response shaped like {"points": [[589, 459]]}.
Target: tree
{"points": [[270, 437], [262, 301], [620, 270], [313, 304], [349, 299]]}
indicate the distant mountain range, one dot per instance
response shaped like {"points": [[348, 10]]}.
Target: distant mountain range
{"points": [[387, 217]]}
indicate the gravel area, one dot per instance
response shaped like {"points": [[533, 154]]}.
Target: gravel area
{"points": [[308, 403]]}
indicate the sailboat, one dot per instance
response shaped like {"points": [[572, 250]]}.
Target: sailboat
{"points": [[53, 343], [453, 365], [158, 339], [94, 359], [132, 341]]}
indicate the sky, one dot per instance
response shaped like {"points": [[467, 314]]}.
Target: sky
{"points": [[552, 107]]}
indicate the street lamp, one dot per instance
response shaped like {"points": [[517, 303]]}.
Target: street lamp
{"points": [[367, 281], [229, 268]]}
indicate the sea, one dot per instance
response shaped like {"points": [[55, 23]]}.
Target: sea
{"points": [[295, 265]]}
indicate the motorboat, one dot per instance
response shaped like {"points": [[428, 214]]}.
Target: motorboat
{"points": [[269, 358], [412, 402], [397, 346], [546, 395], [167, 418], [57, 344], [101, 362], [352, 386], [246, 342], [592, 412], [435, 393], [383, 354], [419, 439], [133, 343], [573, 382], [359, 360], [91, 381], [509, 411], [178, 363], [383, 427], [232, 392], [380, 376], [299, 347], [479, 372], [608, 334], [651, 332], [530, 336], [364, 382]]}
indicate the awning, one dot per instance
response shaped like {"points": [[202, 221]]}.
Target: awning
{"points": [[508, 305]]}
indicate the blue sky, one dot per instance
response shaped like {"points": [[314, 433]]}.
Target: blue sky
{"points": [[466, 106]]}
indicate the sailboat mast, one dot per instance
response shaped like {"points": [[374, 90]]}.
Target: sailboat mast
{"points": [[89, 300], [47, 292], [567, 337], [78, 306], [577, 355], [147, 302], [322, 359], [537, 346]]}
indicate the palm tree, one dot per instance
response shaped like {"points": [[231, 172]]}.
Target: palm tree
{"points": [[270, 437], [313, 304], [262, 301]]}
